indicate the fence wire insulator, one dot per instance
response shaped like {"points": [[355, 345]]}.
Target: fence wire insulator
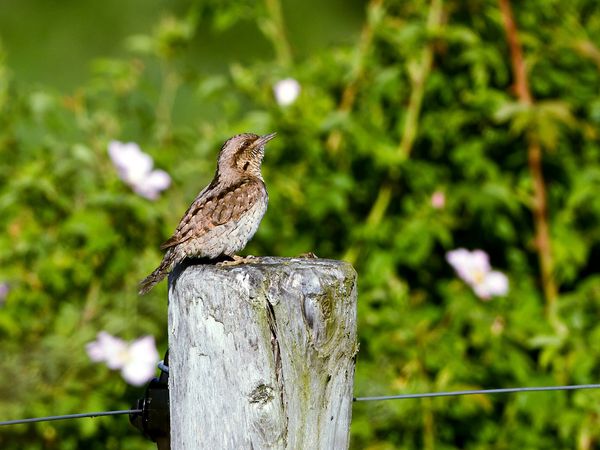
{"points": [[153, 420]]}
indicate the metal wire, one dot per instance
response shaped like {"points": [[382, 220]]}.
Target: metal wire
{"points": [[71, 416], [478, 391], [356, 399]]}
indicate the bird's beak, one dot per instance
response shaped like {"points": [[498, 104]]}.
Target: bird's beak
{"points": [[264, 139]]}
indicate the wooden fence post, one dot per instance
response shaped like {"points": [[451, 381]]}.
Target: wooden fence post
{"points": [[261, 355]]}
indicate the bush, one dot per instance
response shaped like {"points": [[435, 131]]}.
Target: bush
{"points": [[421, 108]]}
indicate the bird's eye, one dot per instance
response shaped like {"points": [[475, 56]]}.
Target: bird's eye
{"points": [[244, 145], [246, 165]]}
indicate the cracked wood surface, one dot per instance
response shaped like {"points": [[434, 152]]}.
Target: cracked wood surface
{"points": [[261, 355]]}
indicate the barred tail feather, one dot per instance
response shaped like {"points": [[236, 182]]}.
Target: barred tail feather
{"points": [[158, 274]]}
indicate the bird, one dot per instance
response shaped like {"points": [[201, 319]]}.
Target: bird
{"points": [[225, 214]]}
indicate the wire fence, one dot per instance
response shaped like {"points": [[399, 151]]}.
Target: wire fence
{"points": [[70, 416], [355, 399], [478, 392]]}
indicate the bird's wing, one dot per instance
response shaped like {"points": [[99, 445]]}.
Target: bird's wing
{"points": [[216, 207]]}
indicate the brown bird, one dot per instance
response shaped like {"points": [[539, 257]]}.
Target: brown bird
{"points": [[225, 214]]}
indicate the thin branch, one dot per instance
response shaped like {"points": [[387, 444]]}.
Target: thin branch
{"points": [[435, 19], [534, 157], [274, 29], [516, 54], [418, 80], [164, 108], [587, 48], [334, 139]]}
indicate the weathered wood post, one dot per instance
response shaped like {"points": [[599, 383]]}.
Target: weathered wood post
{"points": [[261, 355]]}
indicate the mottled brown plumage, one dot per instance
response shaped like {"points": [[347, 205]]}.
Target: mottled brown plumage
{"points": [[226, 214]]}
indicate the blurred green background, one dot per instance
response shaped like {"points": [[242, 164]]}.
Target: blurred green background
{"points": [[400, 103]]}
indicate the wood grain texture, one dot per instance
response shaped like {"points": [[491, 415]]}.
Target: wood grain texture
{"points": [[262, 354]]}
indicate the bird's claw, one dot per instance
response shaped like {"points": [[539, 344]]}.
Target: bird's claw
{"points": [[237, 260], [308, 255]]}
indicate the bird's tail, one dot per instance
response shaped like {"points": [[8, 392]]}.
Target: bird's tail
{"points": [[159, 273]]}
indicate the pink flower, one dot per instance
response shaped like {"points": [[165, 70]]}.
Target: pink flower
{"points": [[109, 349], [438, 200], [3, 292], [286, 91], [474, 268], [137, 361], [494, 284], [135, 169]]}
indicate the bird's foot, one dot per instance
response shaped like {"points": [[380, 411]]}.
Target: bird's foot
{"points": [[308, 255], [236, 261]]}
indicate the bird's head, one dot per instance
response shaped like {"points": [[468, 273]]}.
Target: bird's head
{"points": [[243, 154]]}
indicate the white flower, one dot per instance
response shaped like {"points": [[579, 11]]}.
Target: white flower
{"points": [[109, 349], [286, 91], [137, 361], [150, 186], [135, 169], [494, 284], [438, 200], [470, 266], [474, 268]]}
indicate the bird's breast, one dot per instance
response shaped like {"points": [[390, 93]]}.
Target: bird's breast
{"points": [[232, 236]]}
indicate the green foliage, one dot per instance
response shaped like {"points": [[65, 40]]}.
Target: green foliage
{"points": [[350, 179]]}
